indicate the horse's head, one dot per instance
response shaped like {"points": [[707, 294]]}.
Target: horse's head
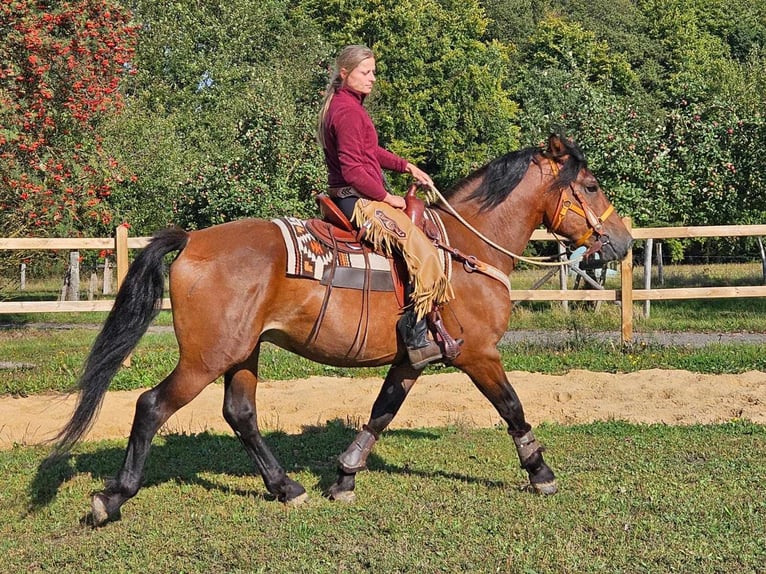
{"points": [[577, 208]]}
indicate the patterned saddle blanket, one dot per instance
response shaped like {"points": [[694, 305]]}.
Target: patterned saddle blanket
{"points": [[354, 267]]}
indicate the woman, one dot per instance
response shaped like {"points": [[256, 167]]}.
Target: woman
{"points": [[355, 162]]}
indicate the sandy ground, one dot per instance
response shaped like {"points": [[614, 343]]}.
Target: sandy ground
{"points": [[652, 396]]}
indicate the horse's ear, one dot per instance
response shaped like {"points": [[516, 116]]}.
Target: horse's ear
{"points": [[556, 148]]}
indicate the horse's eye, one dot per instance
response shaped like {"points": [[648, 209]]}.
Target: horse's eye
{"points": [[592, 188]]}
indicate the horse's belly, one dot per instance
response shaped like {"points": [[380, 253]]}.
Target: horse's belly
{"points": [[343, 341]]}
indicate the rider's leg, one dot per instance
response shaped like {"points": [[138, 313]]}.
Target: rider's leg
{"points": [[346, 205]]}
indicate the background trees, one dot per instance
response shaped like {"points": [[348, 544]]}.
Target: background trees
{"points": [[60, 67], [441, 99], [660, 96], [223, 109]]}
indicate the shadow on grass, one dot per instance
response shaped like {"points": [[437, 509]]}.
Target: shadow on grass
{"points": [[187, 458]]}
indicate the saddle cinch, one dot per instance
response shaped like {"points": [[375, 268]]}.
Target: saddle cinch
{"points": [[337, 232]]}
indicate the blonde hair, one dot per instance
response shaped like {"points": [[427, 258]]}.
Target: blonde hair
{"points": [[348, 58]]}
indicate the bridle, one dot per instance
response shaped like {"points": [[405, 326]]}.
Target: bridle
{"points": [[584, 210]]}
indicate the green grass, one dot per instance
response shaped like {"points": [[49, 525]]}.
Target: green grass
{"points": [[633, 499], [66, 319], [707, 316], [50, 360]]}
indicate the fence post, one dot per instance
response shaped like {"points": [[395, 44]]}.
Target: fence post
{"points": [[648, 274], [563, 276], [626, 290], [92, 286], [107, 277], [71, 288], [121, 254], [23, 276], [660, 265]]}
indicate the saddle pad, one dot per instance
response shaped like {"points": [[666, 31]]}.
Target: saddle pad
{"points": [[308, 257]]}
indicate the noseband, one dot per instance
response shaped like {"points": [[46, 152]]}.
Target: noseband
{"points": [[584, 210]]}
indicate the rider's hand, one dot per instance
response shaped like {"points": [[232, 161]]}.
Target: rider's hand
{"points": [[396, 201], [420, 176]]}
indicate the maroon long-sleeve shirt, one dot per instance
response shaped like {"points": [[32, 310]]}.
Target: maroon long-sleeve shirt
{"points": [[352, 152]]}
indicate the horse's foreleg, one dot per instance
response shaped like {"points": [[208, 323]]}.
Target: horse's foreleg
{"points": [[488, 375], [153, 408], [240, 412], [397, 384]]}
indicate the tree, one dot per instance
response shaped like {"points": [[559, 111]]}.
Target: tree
{"points": [[558, 43], [222, 113], [276, 174], [62, 63], [441, 98]]}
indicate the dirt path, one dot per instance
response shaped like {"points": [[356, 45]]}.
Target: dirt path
{"points": [[672, 397]]}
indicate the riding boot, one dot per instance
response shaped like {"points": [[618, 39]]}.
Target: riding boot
{"points": [[421, 349]]}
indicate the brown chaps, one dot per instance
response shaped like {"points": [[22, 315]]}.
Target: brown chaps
{"points": [[389, 228]]}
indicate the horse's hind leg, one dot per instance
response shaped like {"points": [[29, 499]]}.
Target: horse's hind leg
{"points": [[398, 383], [488, 375], [153, 408], [240, 412]]}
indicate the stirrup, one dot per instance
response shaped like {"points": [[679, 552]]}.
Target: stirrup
{"points": [[450, 346]]}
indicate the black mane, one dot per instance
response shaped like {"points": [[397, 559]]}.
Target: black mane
{"points": [[501, 176]]}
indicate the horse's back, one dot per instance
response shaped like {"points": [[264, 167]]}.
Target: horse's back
{"points": [[246, 241], [230, 286]]}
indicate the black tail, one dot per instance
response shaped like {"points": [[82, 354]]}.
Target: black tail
{"points": [[137, 303]]}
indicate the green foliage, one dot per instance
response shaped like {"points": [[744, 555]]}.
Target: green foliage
{"points": [[665, 97], [685, 162], [557, 43], [150, 144], [278, 171], [441, 100], [235, 89]]}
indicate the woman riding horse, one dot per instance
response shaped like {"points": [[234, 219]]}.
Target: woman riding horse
{"points": [[355, 183]]}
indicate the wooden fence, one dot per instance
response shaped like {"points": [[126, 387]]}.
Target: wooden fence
{"points": [[626, 295]]}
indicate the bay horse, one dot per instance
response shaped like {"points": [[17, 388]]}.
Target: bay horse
{"points": [[230, 293]]}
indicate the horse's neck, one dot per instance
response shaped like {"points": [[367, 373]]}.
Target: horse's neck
{"points": [[509, 225]]}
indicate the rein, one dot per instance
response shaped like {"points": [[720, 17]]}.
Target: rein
{"points": [[565, 205], [540, 261]]}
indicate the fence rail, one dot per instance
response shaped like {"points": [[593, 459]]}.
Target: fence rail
{"points": [[121, 243]]}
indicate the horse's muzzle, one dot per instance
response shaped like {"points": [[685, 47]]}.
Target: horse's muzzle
{"points": [[607, 250]]}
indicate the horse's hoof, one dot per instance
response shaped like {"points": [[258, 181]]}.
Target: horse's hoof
{"points": [[297, 501], [546, 488], [99, 512], [347, 496]]}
